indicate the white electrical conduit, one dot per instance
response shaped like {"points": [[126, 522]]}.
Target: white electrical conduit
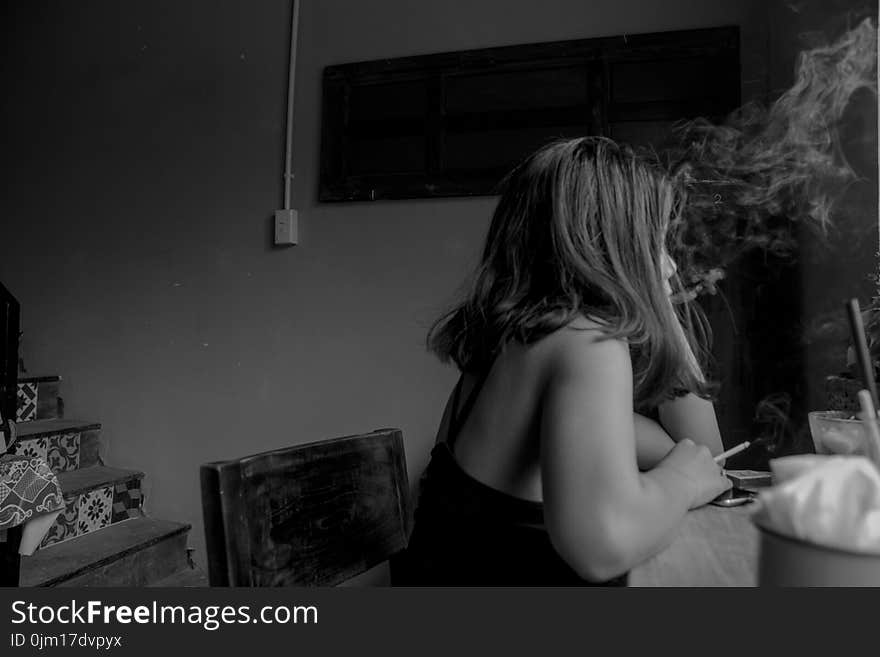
{"points": [[291, 88]]}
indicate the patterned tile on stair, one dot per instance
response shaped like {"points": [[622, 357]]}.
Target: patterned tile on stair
{"points": [[35, 448], [27, 402], [127, 500], [64, 527], [60, 451], [37, 398], [66, 444], [63, 452], [97, 497], [95, 510]]}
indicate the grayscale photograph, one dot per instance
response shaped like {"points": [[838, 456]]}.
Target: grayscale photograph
{"points": [[406, 294]]}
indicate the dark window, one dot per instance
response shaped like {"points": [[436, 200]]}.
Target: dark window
{"points": [[453, 124]]}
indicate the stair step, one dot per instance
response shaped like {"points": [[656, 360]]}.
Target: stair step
{"points": [[37, 398], [131, 553], [189, 578], [95, 499], [65, 444], [96, 476], [41, 428], [52, 378]]}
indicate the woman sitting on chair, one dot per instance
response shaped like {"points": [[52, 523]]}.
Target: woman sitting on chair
{"points": [[549, 469]]}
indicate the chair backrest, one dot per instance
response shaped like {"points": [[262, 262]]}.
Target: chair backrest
{"points": [[310, 515]]}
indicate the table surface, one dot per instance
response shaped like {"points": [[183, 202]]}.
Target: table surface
{"points": [[715, 546]]}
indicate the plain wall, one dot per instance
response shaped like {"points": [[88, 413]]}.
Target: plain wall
{"points": [[144, 160]]}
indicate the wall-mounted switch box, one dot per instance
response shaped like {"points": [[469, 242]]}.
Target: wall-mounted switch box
{"points": [[286, 227]]}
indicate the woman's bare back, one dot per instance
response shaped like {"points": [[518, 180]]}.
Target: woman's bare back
{"points": [[498, 443]]}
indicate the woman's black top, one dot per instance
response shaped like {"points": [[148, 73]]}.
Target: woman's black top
{"points": [[467, 533]]}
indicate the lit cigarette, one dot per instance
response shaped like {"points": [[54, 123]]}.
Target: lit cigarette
{"points": [[732, 451]]}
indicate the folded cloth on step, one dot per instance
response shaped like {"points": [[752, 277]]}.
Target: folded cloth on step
{"points": [[29, 490], [827, 500]]}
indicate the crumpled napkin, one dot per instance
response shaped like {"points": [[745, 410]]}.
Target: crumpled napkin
{"points": [[827, 500]]}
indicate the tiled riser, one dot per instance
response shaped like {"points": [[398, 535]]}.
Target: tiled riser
{"points": [[96, 509], [63, 452], [37, 400]]}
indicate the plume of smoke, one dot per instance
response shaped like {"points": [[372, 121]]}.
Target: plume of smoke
{"points": [[753, 179], [775, 428]]}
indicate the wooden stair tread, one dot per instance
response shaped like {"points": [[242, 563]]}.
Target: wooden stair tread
{"points": [[190, 578], [70, 558], [39, 379], [95, 476], [39, 428]]}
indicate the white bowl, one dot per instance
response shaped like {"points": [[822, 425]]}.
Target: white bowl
{"points": [[786, 561]]}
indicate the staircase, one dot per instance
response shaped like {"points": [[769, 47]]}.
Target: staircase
{"points": [[103, 537]]}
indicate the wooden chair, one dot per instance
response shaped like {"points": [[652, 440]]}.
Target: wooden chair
{"points": [[311, 515]]}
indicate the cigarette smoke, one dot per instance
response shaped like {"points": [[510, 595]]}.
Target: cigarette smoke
{"points": [[773, 423], [753, 179], [766, 174]]}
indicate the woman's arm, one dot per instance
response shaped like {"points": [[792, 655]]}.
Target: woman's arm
{"points": [[652, 442], [602, 514], [692, 417]]}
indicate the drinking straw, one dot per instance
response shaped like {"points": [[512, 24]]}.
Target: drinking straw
{"points": [[862, 353], [872, 430]]}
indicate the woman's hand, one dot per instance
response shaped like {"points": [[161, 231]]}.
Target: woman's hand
{"points": [[695, 464]]}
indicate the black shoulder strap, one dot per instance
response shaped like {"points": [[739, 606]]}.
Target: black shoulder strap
{"points": [[460, 416]]}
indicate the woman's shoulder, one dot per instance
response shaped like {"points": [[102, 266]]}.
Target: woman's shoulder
{"points": [[583, 345]]}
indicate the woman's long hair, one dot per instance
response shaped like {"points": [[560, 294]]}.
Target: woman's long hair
{"points": [[579, 229]]}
